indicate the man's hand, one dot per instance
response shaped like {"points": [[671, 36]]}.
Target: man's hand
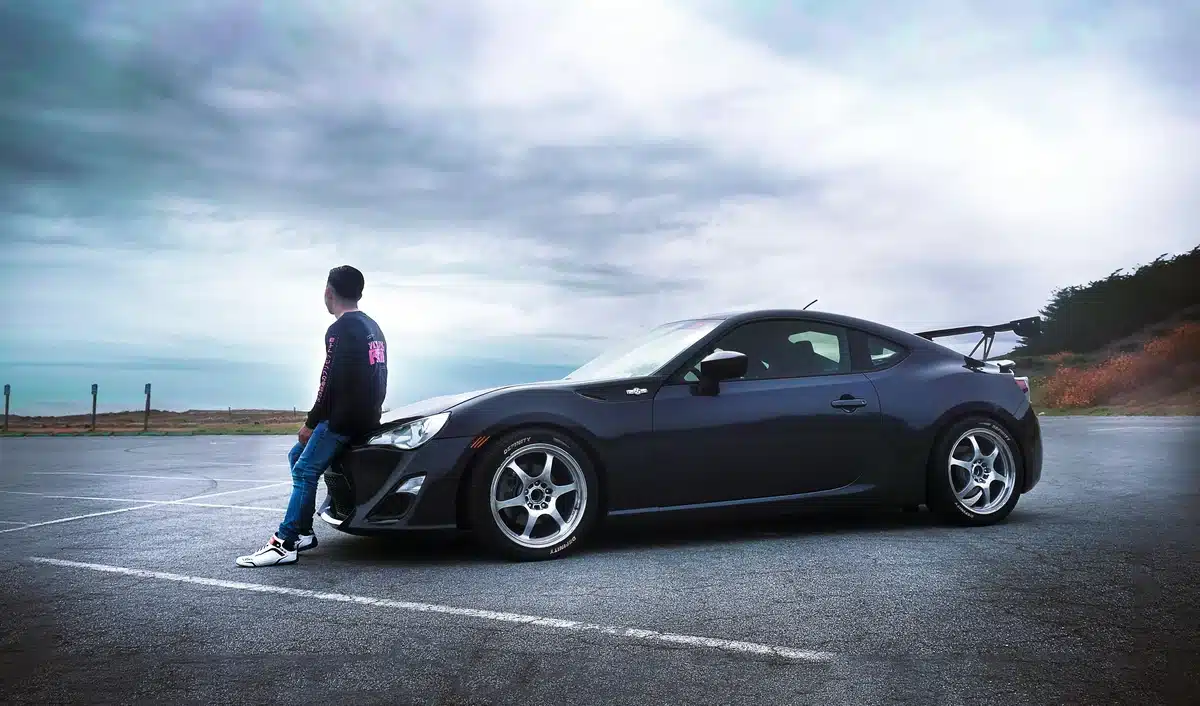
{"points": [[305, 432]]}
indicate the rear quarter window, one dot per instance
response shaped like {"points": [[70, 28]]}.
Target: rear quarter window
{"points": [[882, 353]]}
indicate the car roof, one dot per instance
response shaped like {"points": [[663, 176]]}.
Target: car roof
{"points": [[747, 315]]}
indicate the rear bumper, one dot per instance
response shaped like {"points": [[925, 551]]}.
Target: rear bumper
{"points": [[375, 489], [1030, 438]]}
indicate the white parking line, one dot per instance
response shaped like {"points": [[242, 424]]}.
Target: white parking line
{"points": [[142, 507], [280, 510], [132, 500], [50, 496], [790, 653], [126, 475], [76, 517]]}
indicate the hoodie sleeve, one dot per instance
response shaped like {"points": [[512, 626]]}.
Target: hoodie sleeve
{"points": [[320, 409]]}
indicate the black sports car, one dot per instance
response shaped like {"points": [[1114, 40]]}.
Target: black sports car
{"points": [[765, 409]]}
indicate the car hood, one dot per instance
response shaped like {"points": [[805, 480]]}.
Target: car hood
{"points": [[435, 405]]}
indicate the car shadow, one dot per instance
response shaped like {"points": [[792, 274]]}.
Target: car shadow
{"points": [[411, 549], [682, 533], [459, 548]]}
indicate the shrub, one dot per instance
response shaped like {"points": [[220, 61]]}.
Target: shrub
{"points": [[1178, 346], [1087, 387]]}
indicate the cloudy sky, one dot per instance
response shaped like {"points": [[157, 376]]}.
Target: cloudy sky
{"points": [[520, 179]]}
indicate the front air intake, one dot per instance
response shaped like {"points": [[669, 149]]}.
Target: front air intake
{"points": [[393, 507]]}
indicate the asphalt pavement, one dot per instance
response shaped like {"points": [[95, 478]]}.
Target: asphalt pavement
{"points": [[118, 586]]}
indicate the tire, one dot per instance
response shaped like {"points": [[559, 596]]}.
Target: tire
{"points": [[503, 529], [955, 488]]}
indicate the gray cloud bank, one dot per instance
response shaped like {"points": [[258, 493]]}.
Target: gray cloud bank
{"points": [[521, 179]]}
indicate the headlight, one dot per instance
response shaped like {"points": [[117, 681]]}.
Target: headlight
{"points": [[412, 434]]}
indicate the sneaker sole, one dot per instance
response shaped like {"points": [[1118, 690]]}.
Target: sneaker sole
{"points": [[281, 562]]}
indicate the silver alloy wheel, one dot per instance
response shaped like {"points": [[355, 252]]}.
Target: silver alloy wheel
{"points": [[982, 471], [530, 480]]}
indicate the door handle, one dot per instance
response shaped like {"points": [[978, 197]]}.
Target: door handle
{"points": [[849, 403]]}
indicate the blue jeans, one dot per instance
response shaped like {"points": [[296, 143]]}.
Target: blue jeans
{"points": [[308, 462]]}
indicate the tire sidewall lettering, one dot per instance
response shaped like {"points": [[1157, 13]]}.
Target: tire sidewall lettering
{"points": [[516, 444], [559, 547]]}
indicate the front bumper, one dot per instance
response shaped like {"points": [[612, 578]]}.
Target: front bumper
{"points": [[375, 488]]}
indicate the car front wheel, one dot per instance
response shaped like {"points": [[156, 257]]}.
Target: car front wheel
{"points": [[975, 473], [533, 495]]}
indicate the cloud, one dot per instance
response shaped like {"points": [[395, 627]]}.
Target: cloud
{"points": [[520, 179]]}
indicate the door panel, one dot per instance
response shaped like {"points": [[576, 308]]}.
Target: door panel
{"points": [[763, 438]]}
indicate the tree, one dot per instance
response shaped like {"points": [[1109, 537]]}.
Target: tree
{"points": [[1082, 318]]}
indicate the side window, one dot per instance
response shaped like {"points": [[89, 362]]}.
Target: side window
{"points": [[785, 349], [882, 353]]}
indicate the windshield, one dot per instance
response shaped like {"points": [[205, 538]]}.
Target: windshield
{"points": [[645, 354]]}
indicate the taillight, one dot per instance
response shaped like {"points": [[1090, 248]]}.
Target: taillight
{"points": [[1023, 383]]}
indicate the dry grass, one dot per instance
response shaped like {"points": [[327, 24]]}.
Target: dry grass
{"points": [[1165, 372], [238, 421]]}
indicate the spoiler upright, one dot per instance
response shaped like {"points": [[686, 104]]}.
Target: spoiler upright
{"points": [[1025, 328]]}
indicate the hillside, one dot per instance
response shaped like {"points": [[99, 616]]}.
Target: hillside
{"points": [[1097, 315], [1126, 344], [1153, 372]]}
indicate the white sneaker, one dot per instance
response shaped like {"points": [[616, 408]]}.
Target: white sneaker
{"points": [[306, 541], [272, 554]]}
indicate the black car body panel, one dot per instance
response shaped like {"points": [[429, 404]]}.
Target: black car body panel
{"points": [[363, 481], [761, 439], [660, 446]]}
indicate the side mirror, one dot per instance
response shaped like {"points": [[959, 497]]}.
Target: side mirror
{"points": [[718, 366]]}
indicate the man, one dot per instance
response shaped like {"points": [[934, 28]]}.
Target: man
{"points": [[349, 404]]}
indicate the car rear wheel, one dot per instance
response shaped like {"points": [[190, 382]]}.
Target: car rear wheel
{"points": [[533, 495], [975, 473]]}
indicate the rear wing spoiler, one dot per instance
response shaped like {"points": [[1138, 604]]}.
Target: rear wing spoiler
{"points": [[1031, 326]]}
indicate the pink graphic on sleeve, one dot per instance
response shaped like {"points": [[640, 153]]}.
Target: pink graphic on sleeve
{"points": [[325, 368], [376, 352]]}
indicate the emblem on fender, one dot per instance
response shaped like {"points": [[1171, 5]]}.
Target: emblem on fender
{"points": [[636, 391]]}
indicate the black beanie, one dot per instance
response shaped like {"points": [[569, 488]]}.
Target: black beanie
{"points": [[347, 282]]}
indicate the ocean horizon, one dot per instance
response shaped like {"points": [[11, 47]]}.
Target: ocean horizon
{"points": [[64, 388]]}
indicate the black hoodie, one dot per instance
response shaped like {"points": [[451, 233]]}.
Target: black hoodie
{"points": [[354, 377]]}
